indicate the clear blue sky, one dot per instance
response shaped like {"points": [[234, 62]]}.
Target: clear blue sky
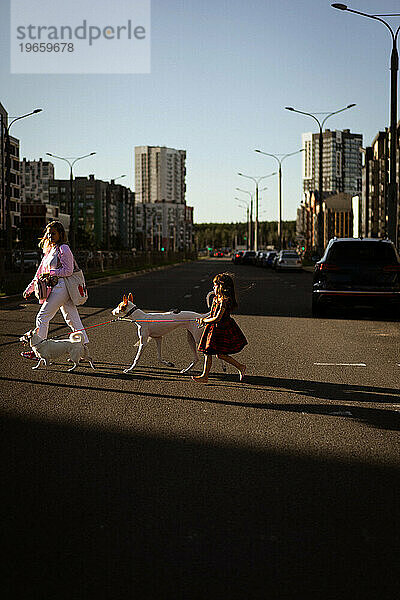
{"points": [[222, 72]]}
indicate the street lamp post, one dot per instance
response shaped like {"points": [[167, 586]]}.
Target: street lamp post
{"points": [[391, 194], [250, 219], [245, 205], [280, 161], [6, 181], [71, 191], [320, 218], [257, 183]]}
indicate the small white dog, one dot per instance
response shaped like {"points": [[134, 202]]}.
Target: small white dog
{"points": [[156, 325], [48, 350]]}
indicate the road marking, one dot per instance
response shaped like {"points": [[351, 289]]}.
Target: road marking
{"points": [[188, 296], [196, 287], [340, 364], [203, 280]]}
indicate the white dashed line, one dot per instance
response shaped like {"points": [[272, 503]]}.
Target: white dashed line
{"points": [[196, 287], [341, 364], [188, 296]]}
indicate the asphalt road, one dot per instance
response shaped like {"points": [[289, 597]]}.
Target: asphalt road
{"points": [[149, 485]]}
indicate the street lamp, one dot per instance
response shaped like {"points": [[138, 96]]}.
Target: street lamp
{"points": [[250, 219], [71, 191], [257, 182], [391, 194], [246, 205], [320, 220], [280, 161], [119, 177], [6, 181]]}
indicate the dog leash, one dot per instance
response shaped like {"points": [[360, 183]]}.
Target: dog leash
{"points": [[130, 321]]}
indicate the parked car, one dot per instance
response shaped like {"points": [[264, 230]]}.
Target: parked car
{"points": [[31, 261], [269, 258], [259, 257], [218, 254], [237, 257], [354, 270], [248, 257], [287, 259]]}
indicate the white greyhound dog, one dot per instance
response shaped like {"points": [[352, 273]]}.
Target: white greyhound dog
{"points": [[156, 325]]}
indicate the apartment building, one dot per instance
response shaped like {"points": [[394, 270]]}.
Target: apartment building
{"points": [[160, 175], [102, 209], [375, 179], [165, 226], [338, 216], [10, 179], [341, 161], [36, 176]]}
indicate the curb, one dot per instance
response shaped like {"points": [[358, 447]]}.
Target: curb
{"points": [[110, 278], [92, 283]]}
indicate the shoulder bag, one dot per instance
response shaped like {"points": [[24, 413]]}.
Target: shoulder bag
{"points": [[76, 286]]}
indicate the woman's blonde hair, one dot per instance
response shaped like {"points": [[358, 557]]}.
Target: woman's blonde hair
{"points": [[45, 242], [226, 288]]}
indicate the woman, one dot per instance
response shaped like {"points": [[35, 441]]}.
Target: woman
{"points": [[57, 263]]}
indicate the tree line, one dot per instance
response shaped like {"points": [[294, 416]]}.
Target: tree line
{"points": [[231, 235]]}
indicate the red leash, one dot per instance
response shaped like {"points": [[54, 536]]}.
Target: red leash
{"points": [[131, 321]]}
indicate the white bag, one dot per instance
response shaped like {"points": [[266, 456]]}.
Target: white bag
{"points": [[76, 287]]}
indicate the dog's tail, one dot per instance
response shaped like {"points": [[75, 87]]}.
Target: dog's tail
{"points": [[76, 336]]}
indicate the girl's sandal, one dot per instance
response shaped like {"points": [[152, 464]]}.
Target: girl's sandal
{"points": [[198, 380]]}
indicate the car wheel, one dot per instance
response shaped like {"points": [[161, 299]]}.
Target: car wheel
{"points": [[317, 309]]}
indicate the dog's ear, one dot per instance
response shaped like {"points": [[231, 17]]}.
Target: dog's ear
{"points": [[130, 297], [125, 299]]}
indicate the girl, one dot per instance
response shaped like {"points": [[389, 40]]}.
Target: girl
{"points": [[57, 263], [222, 335]]}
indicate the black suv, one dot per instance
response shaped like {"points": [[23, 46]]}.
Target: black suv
{"points": [[353, 270]]}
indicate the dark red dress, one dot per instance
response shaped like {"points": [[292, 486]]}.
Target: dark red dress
{"points": [[224, 337]]}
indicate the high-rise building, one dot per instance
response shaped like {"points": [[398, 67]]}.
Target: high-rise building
{"points": [[164, 226], [35, 178], [341, 162], [102, 209], [376, 179], [13, 183], [160, 174]]}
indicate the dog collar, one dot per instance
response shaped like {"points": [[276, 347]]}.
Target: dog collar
{"points": [[132, 310]]}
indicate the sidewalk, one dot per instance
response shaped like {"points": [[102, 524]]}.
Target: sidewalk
{"points": [[93, 283]]}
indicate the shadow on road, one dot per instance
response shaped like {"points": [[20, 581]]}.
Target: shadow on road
{"points": [[108, 515], [344, 398]]}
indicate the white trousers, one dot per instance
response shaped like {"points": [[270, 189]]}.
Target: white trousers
{"points": [[59, 299]]}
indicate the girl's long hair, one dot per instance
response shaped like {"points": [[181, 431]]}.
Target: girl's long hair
{"points": [[45, 242], [226, 288]]}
